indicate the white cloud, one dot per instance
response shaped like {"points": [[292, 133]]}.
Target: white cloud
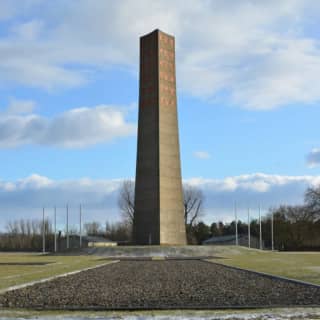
{"points": [[257, 182], [38, 73], [34, 181], [251, 190], [202, 155], [20, 106], [261, 54], [25, 197], [7, 9], [75, 128], [313, 158], [10, 9], [29, 30]]}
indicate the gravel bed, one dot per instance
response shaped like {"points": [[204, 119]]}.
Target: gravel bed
{"points": [[162, 284]]}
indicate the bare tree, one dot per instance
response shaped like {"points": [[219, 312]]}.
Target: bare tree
{"points": [[312, 201], [93, 228], [119, 231], [25, 234], [35, 227], [192, 202], [126, 200], [12, 227]]}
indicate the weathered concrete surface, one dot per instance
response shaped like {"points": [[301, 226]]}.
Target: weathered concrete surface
{"points": [[158, 196], [154, 251], [260, 314]]}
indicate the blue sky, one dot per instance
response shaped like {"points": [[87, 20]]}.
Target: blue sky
{"points": [[248, 101]]}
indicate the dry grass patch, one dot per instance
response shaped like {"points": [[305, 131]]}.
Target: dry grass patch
{"points": [[19, 268], [303, 266]]}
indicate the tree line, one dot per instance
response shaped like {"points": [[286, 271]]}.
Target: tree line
{"points": [[26, 234], [295, 227]]}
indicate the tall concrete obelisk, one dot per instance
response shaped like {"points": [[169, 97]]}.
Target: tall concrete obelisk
{"points": [[159, 213]]}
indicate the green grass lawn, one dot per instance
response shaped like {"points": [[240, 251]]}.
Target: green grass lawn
{"points": [[14, 268], [303, 266]]}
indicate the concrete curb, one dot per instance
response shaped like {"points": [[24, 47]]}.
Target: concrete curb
{"points": [[28, 284], [267, 275], [168, 308]]}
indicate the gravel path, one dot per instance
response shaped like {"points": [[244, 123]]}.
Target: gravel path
{"points": [[162, 284]]}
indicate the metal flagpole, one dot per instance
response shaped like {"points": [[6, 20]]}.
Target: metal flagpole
{"points": [[235, 212], [249, 240], [80, 226], [272, 239], [260, 233], [43, 233], [67, 227], [55, 229]]}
